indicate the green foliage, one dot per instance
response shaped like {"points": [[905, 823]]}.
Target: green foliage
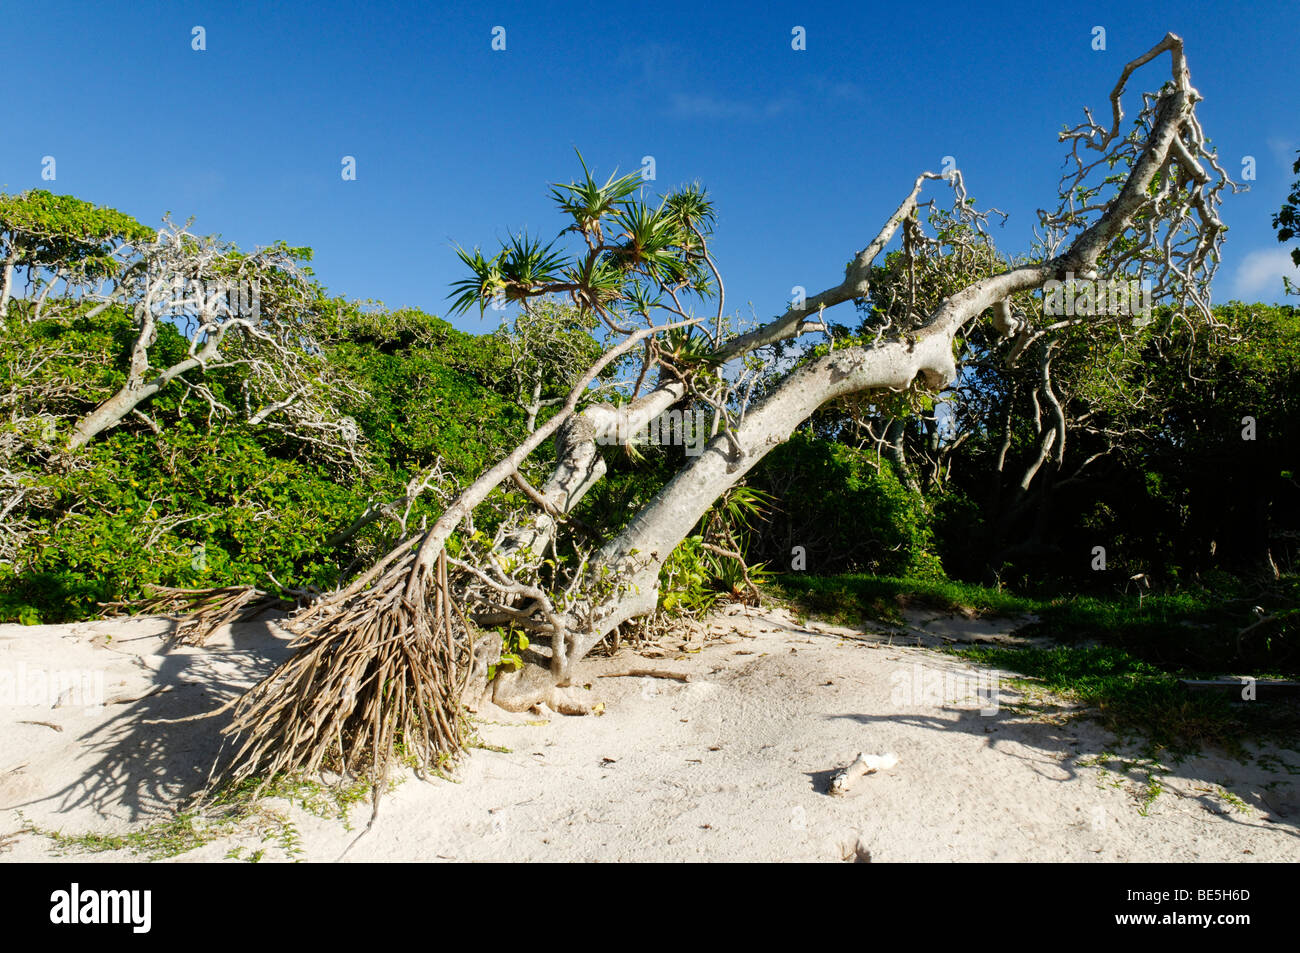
{"points": [[685, 581], [1129, 695], [1192, 494], [1287, 220], [848, 511], [38, 228], [713, 562], [631, 252], [1155, 467], [513, 644], [209, 500], [433, 392]]}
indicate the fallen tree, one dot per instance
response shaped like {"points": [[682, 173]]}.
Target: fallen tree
{"points": [[385, 662]]}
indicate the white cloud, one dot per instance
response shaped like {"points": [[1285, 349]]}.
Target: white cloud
{"points": [[1284, 151], [707, 106], [1259, 276]]}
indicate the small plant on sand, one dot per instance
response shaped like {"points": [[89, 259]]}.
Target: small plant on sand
{"points": [[1232, 800], [166, 838], [239, 808], [1152, 791], [513, 644]]}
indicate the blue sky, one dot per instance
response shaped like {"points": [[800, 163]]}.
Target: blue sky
{"points": [[805, 152]]}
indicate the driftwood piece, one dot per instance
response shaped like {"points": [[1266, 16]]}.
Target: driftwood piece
{"points": [[863, 764], [649, 673]]}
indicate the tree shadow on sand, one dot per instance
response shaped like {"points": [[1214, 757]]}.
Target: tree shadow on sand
{"points": [[1066, 741], [151, 753], [1066, 745]]}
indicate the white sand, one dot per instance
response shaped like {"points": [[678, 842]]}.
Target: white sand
{"points": [[730, 765]]}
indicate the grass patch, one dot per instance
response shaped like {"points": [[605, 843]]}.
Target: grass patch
{"points": [[167, 838], [1136, 699], [850, 599], [1193, 633], [233, 811], [1119, 658], [1145, 772], [1230, 799]]}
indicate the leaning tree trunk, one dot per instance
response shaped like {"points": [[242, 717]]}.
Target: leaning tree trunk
{"points": [[637, 554], [620, 581]]}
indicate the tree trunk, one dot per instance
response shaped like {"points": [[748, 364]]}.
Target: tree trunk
{"points": [[112, 411], [637, 554], [621, 581], [7, 284]]}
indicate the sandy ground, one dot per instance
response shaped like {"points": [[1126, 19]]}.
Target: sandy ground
{"points": [[731, 764]]}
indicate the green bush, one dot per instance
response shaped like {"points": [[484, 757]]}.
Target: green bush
{"points": [[211, 501], [848, 514]]}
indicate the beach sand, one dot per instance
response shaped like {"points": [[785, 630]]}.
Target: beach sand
{"points": [[732, 764]]}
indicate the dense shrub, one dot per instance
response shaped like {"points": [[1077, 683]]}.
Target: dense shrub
{"points": [[848, 510], [210, 500]]}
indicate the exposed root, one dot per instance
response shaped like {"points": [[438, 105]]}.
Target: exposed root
{"points": [[373, 678], [204, 610], [535, 685]]}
